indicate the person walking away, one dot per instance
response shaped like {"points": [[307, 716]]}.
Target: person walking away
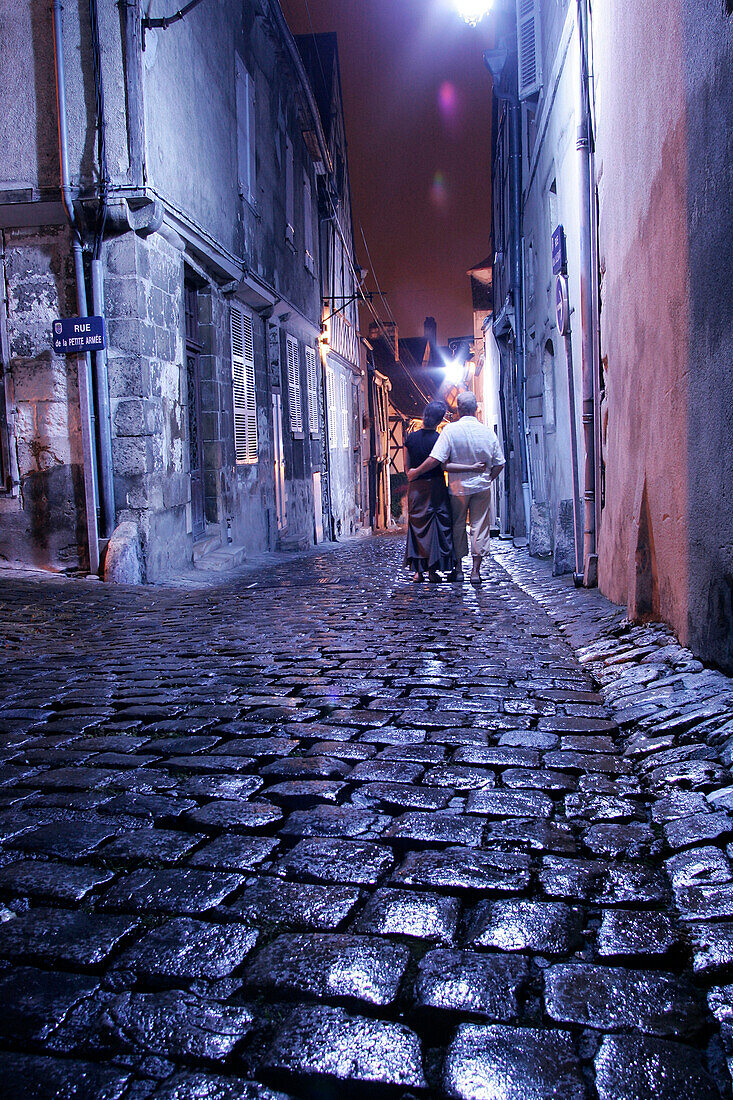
{"points": [[474, 448], [430, 522]]}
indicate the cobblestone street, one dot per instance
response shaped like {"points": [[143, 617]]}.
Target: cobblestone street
{"points": [[321, 832]]}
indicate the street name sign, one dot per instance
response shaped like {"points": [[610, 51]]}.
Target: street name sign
{"points": [[559, 252], [72, 335]]}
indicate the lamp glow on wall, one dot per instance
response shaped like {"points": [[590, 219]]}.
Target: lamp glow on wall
{"points": [[455, 370], [473, 11]]}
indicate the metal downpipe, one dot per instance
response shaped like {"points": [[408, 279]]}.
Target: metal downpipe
{"points": [[515, 175], [86, 399]]}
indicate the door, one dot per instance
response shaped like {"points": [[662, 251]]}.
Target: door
{"points": [[281, 491], [195, 435]]}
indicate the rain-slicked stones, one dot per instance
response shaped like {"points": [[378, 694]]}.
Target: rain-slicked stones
{"points": [[630, 1068], [185, 948], [277, 903], [686, 831], [436, 828], [699, 865], [342, 861], [654, 1002], [465, 981], [328, 1042], [33, 1002], [460, 777], [386, 771], [204, 1086], [550, 928], [235, 816], [51, 881], [633, 841], [498, 1062], [305, 793], [505, 804], [306, 767], [538, 836], [600, 807], [26, 1075], [628, 932], [709, 901], [423, 915], [538, 779], [234, 853], [65, 839], [712, 946], [499, 758], [402, 796], [465, 869], [172, 1024], [150, 846], [329, 821], [170, 891], [326, 966], [57, 936]]}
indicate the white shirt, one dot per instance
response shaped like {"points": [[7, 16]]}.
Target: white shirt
{"points": [[467, 441]]}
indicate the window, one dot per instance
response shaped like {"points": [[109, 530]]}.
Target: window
{"points": [[345, 387], [246, 133], [289, 193], [294, 400], [243, 380], [334, 420], [311, 364], [308, 244]]}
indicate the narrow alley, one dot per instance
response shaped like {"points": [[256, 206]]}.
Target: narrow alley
{"points": [[322, 832]]}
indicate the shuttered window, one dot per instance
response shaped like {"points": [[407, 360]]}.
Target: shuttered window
{"points": [[246, 137], [345, 411], [529, 48], [311, 362], [295, 404], [243, 380]]}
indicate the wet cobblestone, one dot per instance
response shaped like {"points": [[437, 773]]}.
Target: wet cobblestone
{"points": [[321, 832]]}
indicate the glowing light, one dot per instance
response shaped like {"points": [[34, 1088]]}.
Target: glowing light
{"points": [[472, 11], [454, 371]]}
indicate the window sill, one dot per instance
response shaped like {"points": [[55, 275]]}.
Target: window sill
{"points": [[297, 435]]}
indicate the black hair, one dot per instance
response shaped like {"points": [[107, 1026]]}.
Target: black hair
{"points": [[434, 413]]}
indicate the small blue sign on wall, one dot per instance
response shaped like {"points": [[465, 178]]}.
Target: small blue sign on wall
{"points": [[559, 252], [72, 335]]}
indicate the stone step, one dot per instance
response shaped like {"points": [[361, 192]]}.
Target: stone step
{"points": [[221, 559], [206, 545]]}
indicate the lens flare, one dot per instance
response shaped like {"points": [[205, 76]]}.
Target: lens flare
{"points": [[473, 11], [439, 190], [448, 98]]}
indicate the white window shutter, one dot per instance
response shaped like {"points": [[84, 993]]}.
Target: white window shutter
{"points": [[295, 403], [246, 141], [529, 48], [311, 361], [345, 387], [243, 380]]}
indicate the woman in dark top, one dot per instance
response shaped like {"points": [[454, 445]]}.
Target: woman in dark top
{"points": [[429, 530]]}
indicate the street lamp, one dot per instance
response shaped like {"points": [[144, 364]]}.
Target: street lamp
{"points": [[473, 11]]}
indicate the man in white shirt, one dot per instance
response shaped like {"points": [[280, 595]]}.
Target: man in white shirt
{"points": [[470, 443]]}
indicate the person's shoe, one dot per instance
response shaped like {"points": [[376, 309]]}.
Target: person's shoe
{"points": [[475, 580], [456, 575], [434, 576], [418, 578]]}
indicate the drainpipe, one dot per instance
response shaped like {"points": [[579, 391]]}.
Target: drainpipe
{"points": [[515, 184], [587, 296], [86, 399], [101, 378]]}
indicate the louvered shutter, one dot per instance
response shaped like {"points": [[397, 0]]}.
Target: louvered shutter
{"points": [[295, 404], [312, 370], [243, 380], [529, 48], [345, 387]]}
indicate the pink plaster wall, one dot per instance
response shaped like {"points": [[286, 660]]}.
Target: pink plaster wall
{"points": [[641, 168]]}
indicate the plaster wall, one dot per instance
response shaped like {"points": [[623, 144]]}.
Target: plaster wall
{"points": [[551, 174], [643, 191]]}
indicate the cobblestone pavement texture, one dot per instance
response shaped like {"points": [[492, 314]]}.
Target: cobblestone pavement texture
{"points": [[320, 832]]}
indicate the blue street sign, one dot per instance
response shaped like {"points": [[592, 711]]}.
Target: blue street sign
{"points": [[78, 334], [559, 253]]}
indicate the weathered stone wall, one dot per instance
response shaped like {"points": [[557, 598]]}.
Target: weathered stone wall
{"points": [[144, 310], [45, 525]]}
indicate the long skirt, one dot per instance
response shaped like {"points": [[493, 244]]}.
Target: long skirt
{"points": [[430, 526]]}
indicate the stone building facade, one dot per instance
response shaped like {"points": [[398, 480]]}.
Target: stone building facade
{"points": [[195, 185], [644, 203]]}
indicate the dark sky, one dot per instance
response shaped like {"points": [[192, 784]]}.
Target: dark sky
{"points": [[417, 105]]}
